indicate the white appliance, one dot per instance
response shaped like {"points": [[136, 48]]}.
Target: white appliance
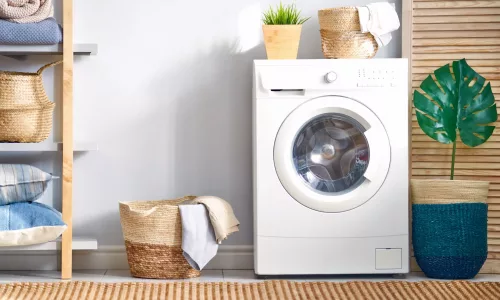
{"points": [[330, 164]]}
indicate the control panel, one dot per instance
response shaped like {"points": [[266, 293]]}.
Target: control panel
{"points": [[275, 78], [377, 77]]}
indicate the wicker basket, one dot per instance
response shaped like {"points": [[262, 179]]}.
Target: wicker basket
{"points": [[25, 110], [341, 35], [449, 228], [153, 238]]}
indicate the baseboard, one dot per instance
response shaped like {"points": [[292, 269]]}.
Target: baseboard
{"points": [[29, 261], [229, 257], [235, 257]]}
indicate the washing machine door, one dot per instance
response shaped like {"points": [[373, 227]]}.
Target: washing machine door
{"points": [[332, 154]]}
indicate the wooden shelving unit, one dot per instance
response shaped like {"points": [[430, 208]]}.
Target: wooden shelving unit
{"points": [[67, 134], [67, 243]]}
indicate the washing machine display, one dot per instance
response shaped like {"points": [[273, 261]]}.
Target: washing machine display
{"points": [[331, 153]]}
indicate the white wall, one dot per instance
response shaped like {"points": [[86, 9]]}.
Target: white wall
{"points": [[168, 99]]}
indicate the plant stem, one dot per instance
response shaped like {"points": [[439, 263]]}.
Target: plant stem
{"points": [[453, 160]]}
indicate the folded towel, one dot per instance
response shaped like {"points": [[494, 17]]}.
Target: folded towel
{"points": [[380, 19], [198, 238], [46, 32], [26, 11], [221, 215]]}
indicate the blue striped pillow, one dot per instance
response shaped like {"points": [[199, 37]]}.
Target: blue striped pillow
{"points": [[22, 183]]}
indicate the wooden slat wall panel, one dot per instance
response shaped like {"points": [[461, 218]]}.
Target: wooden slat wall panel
{"points": [[454, 4], [452, 56], [457, 11], [454, 19], [443, 31], [455, 34], [455, 26]]}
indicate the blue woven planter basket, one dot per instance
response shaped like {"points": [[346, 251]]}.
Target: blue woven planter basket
{"points": [[450, 240]]}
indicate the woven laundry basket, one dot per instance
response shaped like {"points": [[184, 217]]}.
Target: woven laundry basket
{"points": [[449, 227], [153, 239], [25, 110], [341, 35]]}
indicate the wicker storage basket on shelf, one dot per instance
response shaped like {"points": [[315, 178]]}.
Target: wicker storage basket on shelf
{"points": [[153, 238], [341, 35], [25, 110]]}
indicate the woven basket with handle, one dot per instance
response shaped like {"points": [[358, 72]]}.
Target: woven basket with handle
{"points": [[341, 35], [25, 110], [153, 239]]}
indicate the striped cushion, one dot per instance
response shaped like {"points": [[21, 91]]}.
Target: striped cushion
{"points": [[21, 183]]}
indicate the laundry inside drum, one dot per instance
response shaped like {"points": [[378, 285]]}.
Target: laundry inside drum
{"points": [[331, 153]]}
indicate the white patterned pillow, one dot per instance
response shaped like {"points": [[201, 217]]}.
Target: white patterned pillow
{"points": [[22, 183]]}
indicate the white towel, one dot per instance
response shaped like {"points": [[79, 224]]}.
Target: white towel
{"points": [[198, 237], [380, 19]]}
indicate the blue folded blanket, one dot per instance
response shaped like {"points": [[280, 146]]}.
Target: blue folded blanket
{"points": [[46, 32]]}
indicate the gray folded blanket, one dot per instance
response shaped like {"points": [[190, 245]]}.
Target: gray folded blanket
{"points": [[46, 32]]}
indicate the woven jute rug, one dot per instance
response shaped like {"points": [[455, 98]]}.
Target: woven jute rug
{"points": [[263, 290]]}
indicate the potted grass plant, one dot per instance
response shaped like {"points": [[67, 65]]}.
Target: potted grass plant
{"points": [[282, 28], [450, 216]]}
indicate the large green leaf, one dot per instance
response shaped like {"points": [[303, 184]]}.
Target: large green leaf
{"points": [[457, 99]]}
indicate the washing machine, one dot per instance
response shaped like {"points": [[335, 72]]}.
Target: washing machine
{"points": [[330, 166]]}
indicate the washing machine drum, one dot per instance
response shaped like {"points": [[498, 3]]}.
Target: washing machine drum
{"points": [[332, 154]]}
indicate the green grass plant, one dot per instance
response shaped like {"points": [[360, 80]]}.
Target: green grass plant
{"points": [[283, 14]]}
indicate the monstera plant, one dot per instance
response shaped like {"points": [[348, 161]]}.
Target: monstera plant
{"points": [[450, 216], [456, 103]]}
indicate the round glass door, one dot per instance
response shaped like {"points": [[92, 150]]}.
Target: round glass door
{"points": [[331, 153]]}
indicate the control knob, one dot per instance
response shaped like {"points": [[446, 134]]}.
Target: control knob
{"points": [[330, 77]]}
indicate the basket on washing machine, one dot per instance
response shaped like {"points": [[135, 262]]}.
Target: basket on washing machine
{"points": [[341, 35]]}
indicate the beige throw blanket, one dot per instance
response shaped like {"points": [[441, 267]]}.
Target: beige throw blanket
{"points": [[26, 11], [221, 216]]}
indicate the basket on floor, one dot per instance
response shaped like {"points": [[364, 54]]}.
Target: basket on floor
{"points": [[25, 110], [153, 239], [341, 35], [450, 227]]}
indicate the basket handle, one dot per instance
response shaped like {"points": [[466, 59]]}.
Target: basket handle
{"points": [[40, 71], [141, 213]]}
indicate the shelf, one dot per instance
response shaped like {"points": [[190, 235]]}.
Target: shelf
{"points": [[78, 244], [46, 147], [79, 49]]}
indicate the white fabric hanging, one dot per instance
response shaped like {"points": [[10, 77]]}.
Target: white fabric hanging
{"points": [[198, 238], [379, 19]]}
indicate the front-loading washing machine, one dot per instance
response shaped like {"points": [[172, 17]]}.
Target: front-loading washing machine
{"points": [[330, 164]]}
